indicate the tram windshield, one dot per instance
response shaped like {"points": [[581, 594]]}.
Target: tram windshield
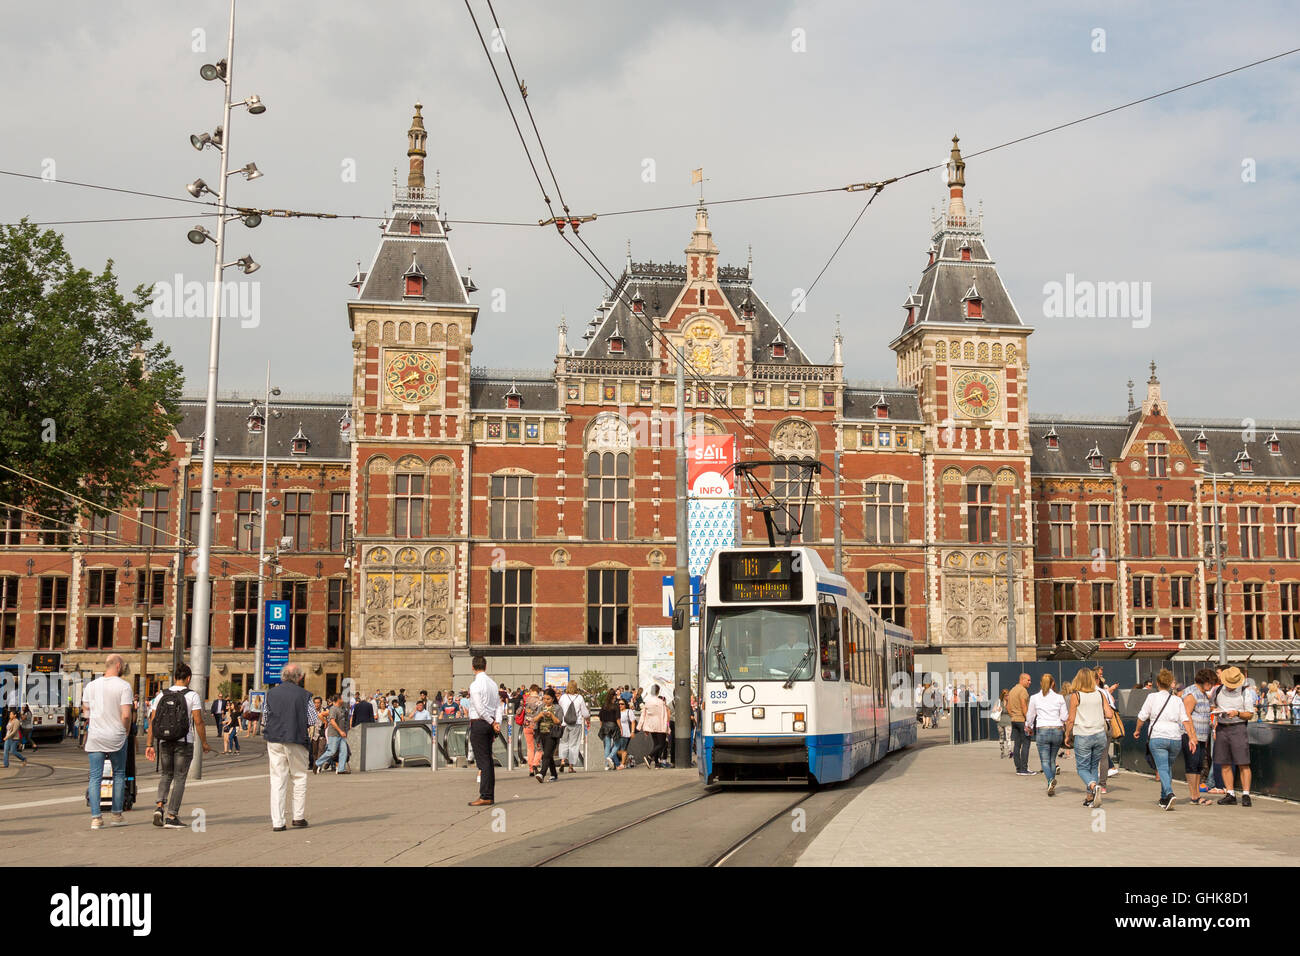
{"points": [[761, 643]]}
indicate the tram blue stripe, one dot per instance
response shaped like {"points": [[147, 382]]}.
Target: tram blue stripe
{"points": [[831, 589]]}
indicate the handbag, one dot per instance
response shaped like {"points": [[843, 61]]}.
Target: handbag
{"points": [[1151, 761]]}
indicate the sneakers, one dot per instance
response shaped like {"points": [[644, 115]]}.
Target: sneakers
{"points": [[97, 823], [117, 820], [158, 815], [609, 763], [173, 823], [1166, 803], [1112, 771], [1227, 800], [1051, 788], [1245, 799], [1097, 792], [1026, 773]]}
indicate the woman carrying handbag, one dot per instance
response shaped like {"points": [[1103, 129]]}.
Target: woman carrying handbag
{"points": [[1088, 724], [1165, 739]]}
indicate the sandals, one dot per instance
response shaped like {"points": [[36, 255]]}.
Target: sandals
{"points": [[1201, 802]]}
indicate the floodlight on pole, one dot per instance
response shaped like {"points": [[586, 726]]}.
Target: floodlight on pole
{"points": [[198, 235], [254, 104], [198, 188]]}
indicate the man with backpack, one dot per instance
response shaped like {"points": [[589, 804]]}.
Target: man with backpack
{"points": [[175, 715]]}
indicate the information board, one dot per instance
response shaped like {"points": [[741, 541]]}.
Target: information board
{"points": [[275, 641], [557, 677]]}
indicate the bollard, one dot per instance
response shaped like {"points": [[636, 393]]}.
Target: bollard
{"points": [[510, 739]]}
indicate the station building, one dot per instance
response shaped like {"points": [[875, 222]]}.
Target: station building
{"points": [[442, 509]]}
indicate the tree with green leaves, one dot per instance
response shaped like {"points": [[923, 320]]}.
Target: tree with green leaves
{"points": [[87, 397]]}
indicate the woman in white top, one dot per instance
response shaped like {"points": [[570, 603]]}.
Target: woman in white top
{"points": [[1045, 720], [1165, 740], [382, 714], [1086, 724]]}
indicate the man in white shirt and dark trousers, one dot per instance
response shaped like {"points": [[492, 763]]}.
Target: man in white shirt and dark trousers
{"points": [[174, 717], [484, 708]]}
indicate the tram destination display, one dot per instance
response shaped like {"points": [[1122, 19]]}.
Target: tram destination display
{"points": [[760, 576]]}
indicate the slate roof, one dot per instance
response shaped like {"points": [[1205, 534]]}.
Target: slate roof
{"points": [[429, 250], [859, 402], [1076, 438], [660, 285], [489, 394], [944, 284], [319, 422]]}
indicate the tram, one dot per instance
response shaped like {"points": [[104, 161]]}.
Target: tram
{"points": [[800, 680]]}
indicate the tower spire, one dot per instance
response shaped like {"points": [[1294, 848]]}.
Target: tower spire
{"points": [[956, 185], [415, 151]]}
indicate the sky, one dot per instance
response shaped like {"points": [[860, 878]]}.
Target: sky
{"points": [[1192, 196]]}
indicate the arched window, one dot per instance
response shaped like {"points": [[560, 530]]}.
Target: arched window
{"points": [[608, 495]]}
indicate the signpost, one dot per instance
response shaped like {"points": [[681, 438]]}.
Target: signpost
{"points": [[275, 642]]}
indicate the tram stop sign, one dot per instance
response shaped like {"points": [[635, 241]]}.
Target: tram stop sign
{"points": [[275, 642]]}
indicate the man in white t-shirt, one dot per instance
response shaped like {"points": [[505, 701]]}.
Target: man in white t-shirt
{"points": [[420, 712], [174, 755], [106, 704]]}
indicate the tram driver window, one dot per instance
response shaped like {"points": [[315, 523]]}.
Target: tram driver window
{"points": [[829, 630]]}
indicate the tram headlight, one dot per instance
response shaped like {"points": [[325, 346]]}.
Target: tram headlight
{"points": [[759, 712], [719, 725]]}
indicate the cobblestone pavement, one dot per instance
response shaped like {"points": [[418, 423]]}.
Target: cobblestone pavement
{"points": [[942, 805]]}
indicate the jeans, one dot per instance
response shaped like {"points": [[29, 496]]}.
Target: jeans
{"points": [[1164, 751], [174, 758], [335, 747], [1020, 746], [11, 747], [611, 747], [1087, 756], [233, 739], [116, 760], [1049, 740]]}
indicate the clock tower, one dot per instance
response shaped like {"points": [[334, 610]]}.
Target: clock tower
{"points": [[963, 347], [412, 325]]}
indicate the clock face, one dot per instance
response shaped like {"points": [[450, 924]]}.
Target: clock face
{"points": [[976, 394], [411, 377]]}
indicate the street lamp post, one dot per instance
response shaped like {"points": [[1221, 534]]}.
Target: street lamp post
{"points": [[1219, 610], [220, 140], [261, 532]]}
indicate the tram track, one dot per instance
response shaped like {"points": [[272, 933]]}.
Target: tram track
{"points": [[716, 859]]}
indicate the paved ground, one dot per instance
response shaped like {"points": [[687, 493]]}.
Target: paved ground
{"points": [[409, 817], [944, 804]]}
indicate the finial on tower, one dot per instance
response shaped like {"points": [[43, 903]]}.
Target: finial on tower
{"points": [[749, 263], [415, 151], [1131, 406], [956, 185], [1153, 380]]}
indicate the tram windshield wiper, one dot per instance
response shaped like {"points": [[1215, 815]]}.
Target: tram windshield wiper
{"points": [[722, 663], [789, 681]]}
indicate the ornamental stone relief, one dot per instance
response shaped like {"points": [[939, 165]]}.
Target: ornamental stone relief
{"points": [[794, 437], [407, 597], [609, 433]]}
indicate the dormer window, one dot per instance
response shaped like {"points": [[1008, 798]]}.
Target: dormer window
{"points": [[200, 443], [930, 254], [1053, 440], [747, 307], [1274, 444], [1243, 462], [778, 346], [514, 399], [616, 341], [1202, 443], [415, 227], [881, 407], [345, 425], [1095, 459], [413, 279], [973, 302], [256, 421], [299, 443], [965, 253], [638, 303]]}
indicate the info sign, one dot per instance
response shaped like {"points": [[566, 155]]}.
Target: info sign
{"points": [[275, 642]]}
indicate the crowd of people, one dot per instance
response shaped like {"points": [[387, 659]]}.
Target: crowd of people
{"points": [[1205, 723]]}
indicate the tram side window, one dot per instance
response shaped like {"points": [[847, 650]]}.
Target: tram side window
{"points": [[846, 634], [830, 640]]}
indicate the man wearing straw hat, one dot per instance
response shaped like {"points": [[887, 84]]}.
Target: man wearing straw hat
{"points": [[1232, 710]]}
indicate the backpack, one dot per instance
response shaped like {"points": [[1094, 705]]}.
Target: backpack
{"points": [[171, 718], [570, 714]]}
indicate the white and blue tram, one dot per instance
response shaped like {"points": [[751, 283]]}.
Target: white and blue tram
{"points": [[800, 680]]}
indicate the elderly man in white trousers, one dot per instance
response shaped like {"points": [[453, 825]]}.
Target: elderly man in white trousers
{"points": [[287, 717]]}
